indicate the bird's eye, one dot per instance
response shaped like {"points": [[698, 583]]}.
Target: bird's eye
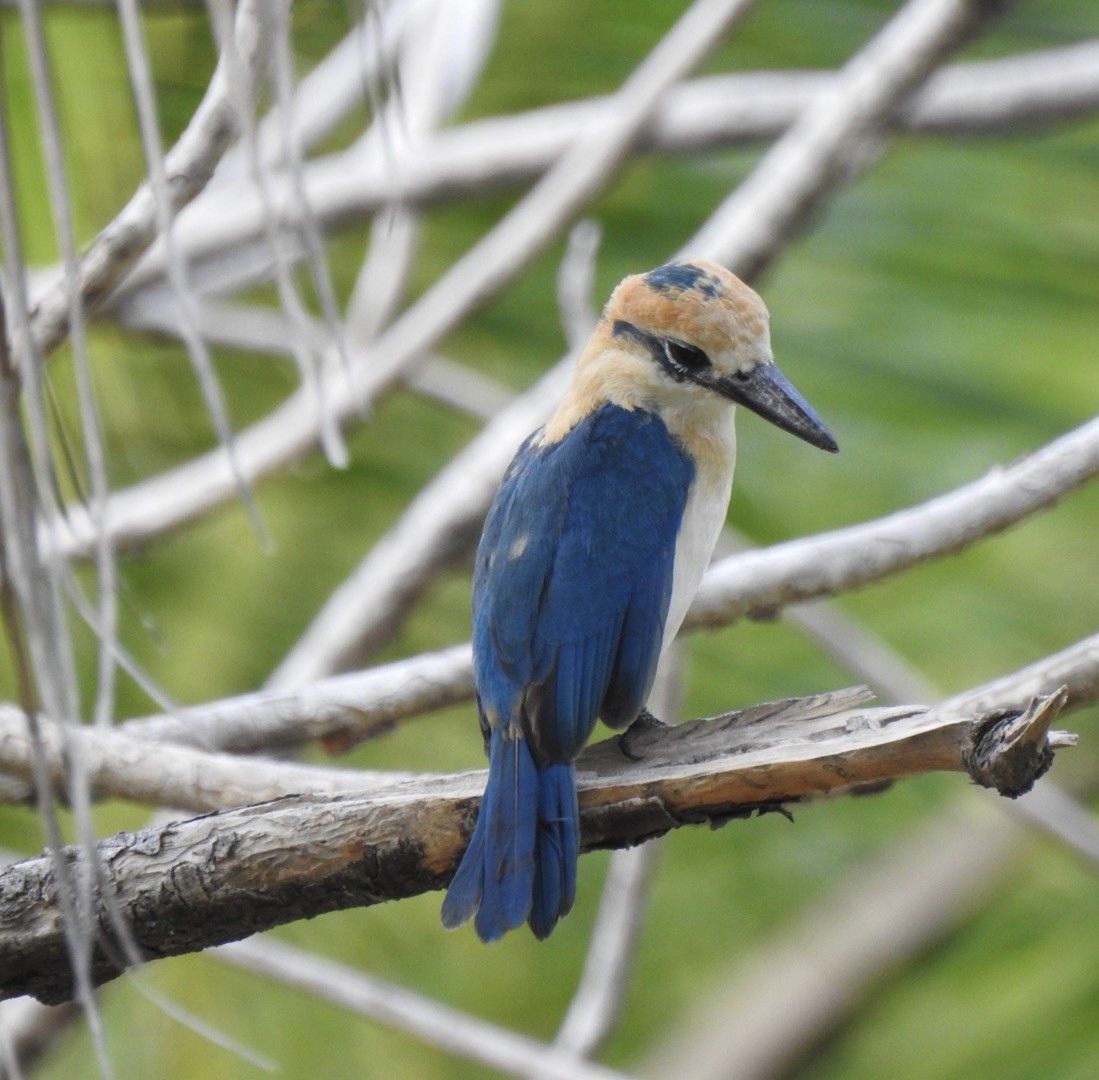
{"points": [[685, 356]]}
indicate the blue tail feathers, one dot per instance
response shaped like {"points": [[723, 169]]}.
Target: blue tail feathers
{"points": [[521, 861], [557, 849]]}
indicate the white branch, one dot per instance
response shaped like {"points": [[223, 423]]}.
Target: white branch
{"points": [[762, 582], [175, 497], [338, 712], [837, 137], [335, 712], [159, 774], [188, 165], [453, 1032], [992, 97]]}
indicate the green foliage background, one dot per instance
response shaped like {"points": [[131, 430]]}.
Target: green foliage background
{"points": [[942, 316]]}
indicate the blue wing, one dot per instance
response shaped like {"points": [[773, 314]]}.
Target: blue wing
{"points": [[573, 578]]}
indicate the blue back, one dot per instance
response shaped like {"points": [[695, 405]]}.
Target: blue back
{"points": [[573, 578]]}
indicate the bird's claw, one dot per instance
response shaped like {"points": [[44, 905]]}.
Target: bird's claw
{"points": [[645, 722]]}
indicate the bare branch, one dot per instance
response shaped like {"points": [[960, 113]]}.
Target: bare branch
{"points": [[94, 448], [113, 763], [327, 94], [758, 584], [164, 206], [188, 167], [340, 711], [346, 709], [300, 338], [987, 98], [194, 883], [290, 430], [838, 136], [336, 712], [452, 1031], [794, 990]]}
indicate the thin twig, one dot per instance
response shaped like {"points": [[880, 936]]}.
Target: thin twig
{"points": [[31, 603], [327, 94], [144, 92], [94, 449], [440, 59], [300, 340]]}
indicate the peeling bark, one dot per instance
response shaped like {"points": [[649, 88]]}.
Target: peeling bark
{"points": [[190, 884]]}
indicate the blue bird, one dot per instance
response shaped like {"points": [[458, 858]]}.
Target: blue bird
{"points": [[591, 555]]}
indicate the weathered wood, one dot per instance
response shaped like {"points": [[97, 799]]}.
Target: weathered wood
{"points": [[190, 884]]}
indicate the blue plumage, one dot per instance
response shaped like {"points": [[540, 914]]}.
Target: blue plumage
{"points": [[571, 589], [620, 497]]}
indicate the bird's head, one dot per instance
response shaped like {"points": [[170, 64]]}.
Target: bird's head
{"points": [[693, 333]]}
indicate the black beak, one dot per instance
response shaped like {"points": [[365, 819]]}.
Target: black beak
{"points": [[766, 391]]}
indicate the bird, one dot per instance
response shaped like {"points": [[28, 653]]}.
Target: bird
{"points": [[590, 555]]}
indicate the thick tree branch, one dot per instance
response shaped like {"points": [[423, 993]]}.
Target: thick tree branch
{"points": [[191, 884], [133, 762], [336, 712]]}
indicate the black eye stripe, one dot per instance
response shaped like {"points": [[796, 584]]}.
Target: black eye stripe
{"points": [[681, 362], [686, 356]]}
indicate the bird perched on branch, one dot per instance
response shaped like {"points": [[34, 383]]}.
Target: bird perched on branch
{"points": [[591, 554]]}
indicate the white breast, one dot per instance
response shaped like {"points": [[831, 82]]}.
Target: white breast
{"points": [[704, 515]]}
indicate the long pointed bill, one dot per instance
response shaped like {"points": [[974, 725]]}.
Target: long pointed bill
{"points": [[766, 391]]}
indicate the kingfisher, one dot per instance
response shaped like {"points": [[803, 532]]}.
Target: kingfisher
{"points": [[591, 554]]}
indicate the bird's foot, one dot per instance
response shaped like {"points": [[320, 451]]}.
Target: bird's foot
{"points": [[645, 722]]}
